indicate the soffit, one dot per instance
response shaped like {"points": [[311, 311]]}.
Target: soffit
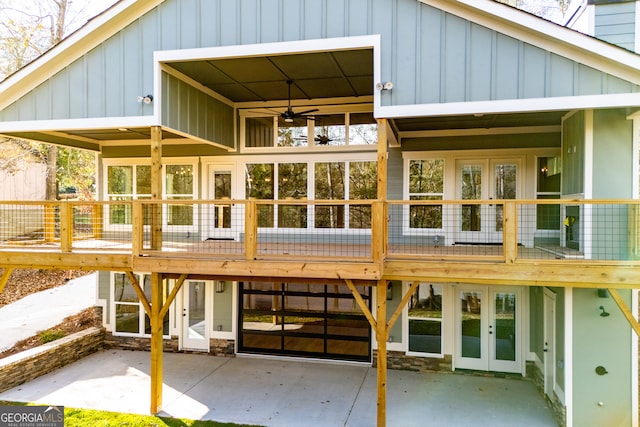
{"points": [[316, 75]]}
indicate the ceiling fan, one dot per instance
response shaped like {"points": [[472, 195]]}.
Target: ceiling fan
{"points": [[289, 115]]}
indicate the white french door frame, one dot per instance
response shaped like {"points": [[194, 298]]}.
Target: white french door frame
{"points": [[488, 338], [549, 343], [195, 336], [213, 226], [489, 232]]}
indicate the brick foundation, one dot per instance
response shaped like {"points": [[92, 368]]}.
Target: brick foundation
{"points": [[399, 360], [558, 409], [217, 347], [33, 363]]}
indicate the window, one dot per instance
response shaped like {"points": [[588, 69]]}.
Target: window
{"points": [[179, 186], [130, 317], [425, 319], [355, 180], [426, 182], [548, 187], [132, 182], [313, 130], [126, 182]]}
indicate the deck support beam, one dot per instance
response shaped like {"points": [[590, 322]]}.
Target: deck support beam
{"points": [[6, 273], [156, 343], [625, 310], [382, 335], [156, 187]]}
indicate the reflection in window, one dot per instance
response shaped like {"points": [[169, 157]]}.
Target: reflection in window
{"points": [[329, 130], [329, 185], [426, 182], [425, 319], [363, 129], [363, 185], [292, 134], [548, 187], [179, 186], [126, 183], [259, 186], [292, 185]]}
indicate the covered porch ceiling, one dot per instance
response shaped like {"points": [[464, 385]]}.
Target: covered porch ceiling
{"points": [[318, 77]]}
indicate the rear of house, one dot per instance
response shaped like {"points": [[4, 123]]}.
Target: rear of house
{"points": [[280, 173]]}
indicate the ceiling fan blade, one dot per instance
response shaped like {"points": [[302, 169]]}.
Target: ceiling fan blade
{"points": [[306, 112]]}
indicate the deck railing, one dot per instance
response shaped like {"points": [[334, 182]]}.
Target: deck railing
{"points": [[369, 230]]}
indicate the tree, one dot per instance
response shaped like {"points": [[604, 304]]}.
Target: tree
{"points": [[549, 9], [27, 30]]}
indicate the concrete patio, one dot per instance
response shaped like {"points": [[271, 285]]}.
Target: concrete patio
{"points": [[275, 392]]}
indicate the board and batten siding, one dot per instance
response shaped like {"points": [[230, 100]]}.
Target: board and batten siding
{"points": [[430, 55], [191, 111], [616, 23]]}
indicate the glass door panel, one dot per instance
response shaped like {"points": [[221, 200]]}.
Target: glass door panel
{"points": [[505, 175], [471, 189], [221, 214], [488, 329], [195, 329]]}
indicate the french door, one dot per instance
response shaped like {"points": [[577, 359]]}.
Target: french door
{"points": [[195, 321], [482, 179], [223, 217], [489, 331]]}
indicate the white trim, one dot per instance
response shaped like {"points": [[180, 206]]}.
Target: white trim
{"points": [[275, 48], [635, 184], [568, 355], [78, 124], [636, 44], [516, 130], [588, 154], [546, 35], [634, 360], [509, 106], [92, 34]]}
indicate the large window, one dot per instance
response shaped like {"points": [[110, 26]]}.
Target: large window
{"points": [[314, 130], [426, 182], [289, 182], [130, 317], [126, 182], [425, 319]]}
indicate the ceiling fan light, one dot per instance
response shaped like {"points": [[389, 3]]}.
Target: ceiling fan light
{"points": [[288, 119]]}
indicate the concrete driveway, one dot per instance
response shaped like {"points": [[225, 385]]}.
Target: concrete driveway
{"points": [[291, 393]]}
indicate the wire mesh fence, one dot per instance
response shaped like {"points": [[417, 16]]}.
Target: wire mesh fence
{"points": [[487, 230]]}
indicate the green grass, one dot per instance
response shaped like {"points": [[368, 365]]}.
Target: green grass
{"points": [[74, 417]]}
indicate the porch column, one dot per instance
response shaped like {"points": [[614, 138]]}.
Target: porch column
{"points": [[382, 188], [156, 343], [156, 187], [381, 338]]}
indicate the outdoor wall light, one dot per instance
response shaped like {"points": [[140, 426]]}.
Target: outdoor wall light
{"points": [[604, 312], [219, 287], [384, 86], [147, 99]]}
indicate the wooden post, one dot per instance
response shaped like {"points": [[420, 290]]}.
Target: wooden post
{"points": [[625, 310], [6, 273], [66, 226], [382, 185], [156, 187], [250, 230], [49, 222], [381, 338], [137, 227], [156, 343], [510, 231]]}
